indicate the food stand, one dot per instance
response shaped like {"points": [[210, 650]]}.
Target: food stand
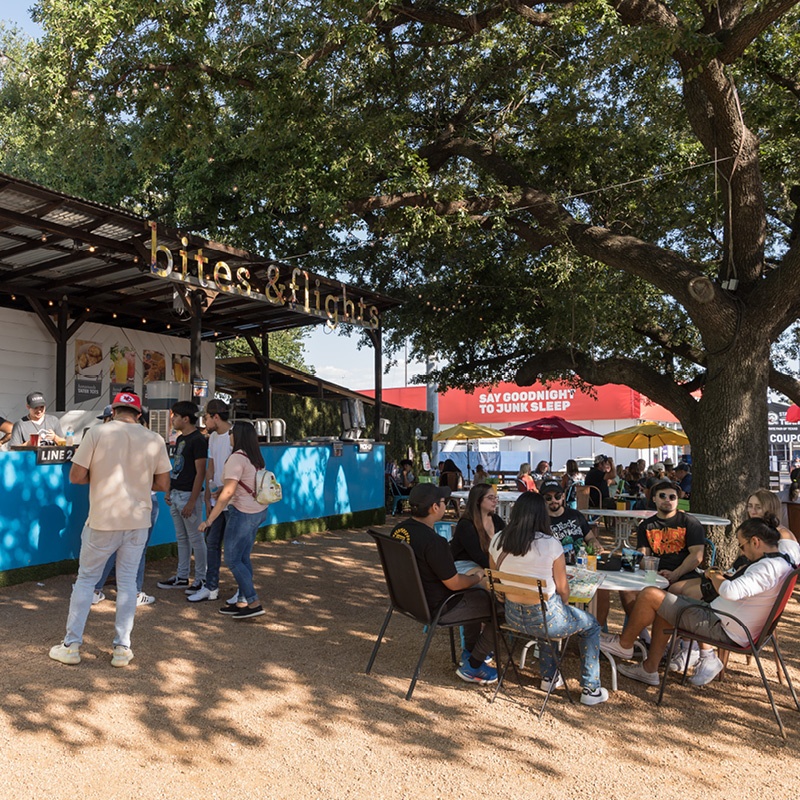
{"points": [[92, 298]]}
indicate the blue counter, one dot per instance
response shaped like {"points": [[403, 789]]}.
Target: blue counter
{"points": [[42, 513]]}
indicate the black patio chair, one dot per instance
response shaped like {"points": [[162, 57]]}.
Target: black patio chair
{"points": [[407, 596], [512, 636], [752, 648]]}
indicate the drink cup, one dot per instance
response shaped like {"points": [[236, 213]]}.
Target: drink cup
{"points": [[35, 439], [650, 567]]}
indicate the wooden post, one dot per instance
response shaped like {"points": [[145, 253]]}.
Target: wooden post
{"points": [[196, 334], [377, 342], [265, 374], [61, 357]]}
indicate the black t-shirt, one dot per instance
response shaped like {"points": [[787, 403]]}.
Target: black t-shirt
{"points": [[188, 449], [671, 538], [570, 524], [434, 559], [596, 477], [466, 544]]}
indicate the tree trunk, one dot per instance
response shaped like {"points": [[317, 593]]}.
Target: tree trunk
{"points": [[728, 434]]}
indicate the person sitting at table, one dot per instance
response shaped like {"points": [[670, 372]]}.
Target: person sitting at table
{"points": [[657, 477], [683, 477], [789, 494], [451, 477], [675, 537], [5, 429], [748, 594], [572, 475], [475, 529], [597, 477], [525, 481], [567, 523], [542, 472], [440, 579], [405, 478], [37, 422], [527, 547], [480, 475]]}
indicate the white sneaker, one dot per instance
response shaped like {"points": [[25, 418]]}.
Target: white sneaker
{"points": [[638, 673], [678, 663], [66, 653], [609, 643], [234, 599], [707, 669], [143, 599], [594, 698], [545, 684], [97, 597], [122, 656], [204, 594]]}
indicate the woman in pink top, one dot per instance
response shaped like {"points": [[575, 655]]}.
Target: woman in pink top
{"points": [[245, 516]]}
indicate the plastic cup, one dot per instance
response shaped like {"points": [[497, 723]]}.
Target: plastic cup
{"points": [[650, 567], [35, 439]]}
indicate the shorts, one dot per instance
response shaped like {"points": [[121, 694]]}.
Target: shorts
{"points": [[700, 618], [463, 567]]}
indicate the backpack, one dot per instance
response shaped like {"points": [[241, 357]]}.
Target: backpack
{"points": [[267, 488]]}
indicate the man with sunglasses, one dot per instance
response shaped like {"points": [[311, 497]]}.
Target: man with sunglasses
{"points": [[566, 522]]}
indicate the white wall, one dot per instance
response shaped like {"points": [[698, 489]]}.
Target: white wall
{"points": [[28, 363]]}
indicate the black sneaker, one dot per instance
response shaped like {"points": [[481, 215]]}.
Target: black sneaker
{"points": [[229, 608], [247, 612], [174, 583], [195, 587]]}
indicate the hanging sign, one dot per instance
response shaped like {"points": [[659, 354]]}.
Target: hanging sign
{"points": [[195, 270]]}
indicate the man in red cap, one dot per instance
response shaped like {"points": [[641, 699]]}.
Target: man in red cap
{"points": [[121, 461]]}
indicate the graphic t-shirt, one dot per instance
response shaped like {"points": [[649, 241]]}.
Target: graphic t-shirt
{"points": [[188, 449], [671, 538], [433, 555], [570, 525]]}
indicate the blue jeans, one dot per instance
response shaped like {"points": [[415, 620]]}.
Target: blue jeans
{"points": [[113, 560], [562, 621], [240, 536], [214, 536], [96, 547], [188, 536]]}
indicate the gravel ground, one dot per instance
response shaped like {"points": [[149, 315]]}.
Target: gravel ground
{"points": [[280, 707]]}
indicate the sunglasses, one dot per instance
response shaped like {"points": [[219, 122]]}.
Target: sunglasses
{"points": [[665, 496], [556, 496]]}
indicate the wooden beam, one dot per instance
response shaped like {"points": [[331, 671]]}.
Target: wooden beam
{"points": [[43, 316]]}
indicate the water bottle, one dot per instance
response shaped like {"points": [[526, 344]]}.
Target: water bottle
{"points": [[70, 436], [582, 560]]}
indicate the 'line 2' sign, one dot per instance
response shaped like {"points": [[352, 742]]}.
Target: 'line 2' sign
{"points": [[55, 455]]}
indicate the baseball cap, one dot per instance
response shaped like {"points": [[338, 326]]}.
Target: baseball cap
{"points": [[683, 465], [550, 486], [107, 412], [424, 495], [35, 399], [127, 400], [659, 465]]}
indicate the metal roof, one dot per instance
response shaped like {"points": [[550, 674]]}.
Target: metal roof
{"points": [[55, 247]]}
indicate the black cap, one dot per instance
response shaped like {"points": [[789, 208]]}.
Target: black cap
{"points": [[35, 400], [550, 486], [107, 412], [664, 485], [424, 495], [682, 465]]}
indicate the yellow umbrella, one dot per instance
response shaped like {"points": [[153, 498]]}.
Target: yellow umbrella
{"points": [[467, 430], [646, 434]]}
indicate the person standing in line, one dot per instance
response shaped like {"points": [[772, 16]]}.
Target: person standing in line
{"points": [[122, 462], [246, 516], [186, 484], [219, 449]]}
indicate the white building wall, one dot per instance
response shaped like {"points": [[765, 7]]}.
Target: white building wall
{"points": [[28, 363]]}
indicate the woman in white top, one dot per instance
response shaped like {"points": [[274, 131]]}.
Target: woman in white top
{"points": [[526, 547], [245, 516]]}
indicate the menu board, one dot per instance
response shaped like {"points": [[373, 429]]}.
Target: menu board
{"points": [[154, 368], [181, 368], [122, 369], [88, 370]]}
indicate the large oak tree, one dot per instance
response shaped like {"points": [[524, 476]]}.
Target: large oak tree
{"points": [[599, 190]]}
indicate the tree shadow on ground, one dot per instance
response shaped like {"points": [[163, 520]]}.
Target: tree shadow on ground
{"points": [[200, 675]]}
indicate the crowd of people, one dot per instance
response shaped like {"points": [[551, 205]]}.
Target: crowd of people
{"points": [[125, 466], [533, 544]]}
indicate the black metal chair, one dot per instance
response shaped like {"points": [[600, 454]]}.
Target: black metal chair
{"points": [[752, 648], [407, 596], [514, 636]]}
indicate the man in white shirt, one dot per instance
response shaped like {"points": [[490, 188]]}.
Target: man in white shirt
{"points": [[122, 462], [219, 448], [748, 594]]}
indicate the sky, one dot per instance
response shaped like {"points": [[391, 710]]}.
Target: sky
{"points": [[335, 358]]}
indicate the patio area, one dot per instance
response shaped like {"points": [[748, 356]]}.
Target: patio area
{"points": [[280, 707]]}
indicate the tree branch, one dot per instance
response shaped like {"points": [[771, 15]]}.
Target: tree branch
{"points": [[666, 340], [792, 84], [749, 28], [626, 371], [785, 384]]}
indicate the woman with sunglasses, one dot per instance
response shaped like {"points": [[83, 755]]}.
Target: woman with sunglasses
{"points": [[478, 524], [245, 516], [526, 547]]}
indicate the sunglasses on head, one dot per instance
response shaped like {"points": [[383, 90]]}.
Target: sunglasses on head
{"points": [[665, 496]]}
